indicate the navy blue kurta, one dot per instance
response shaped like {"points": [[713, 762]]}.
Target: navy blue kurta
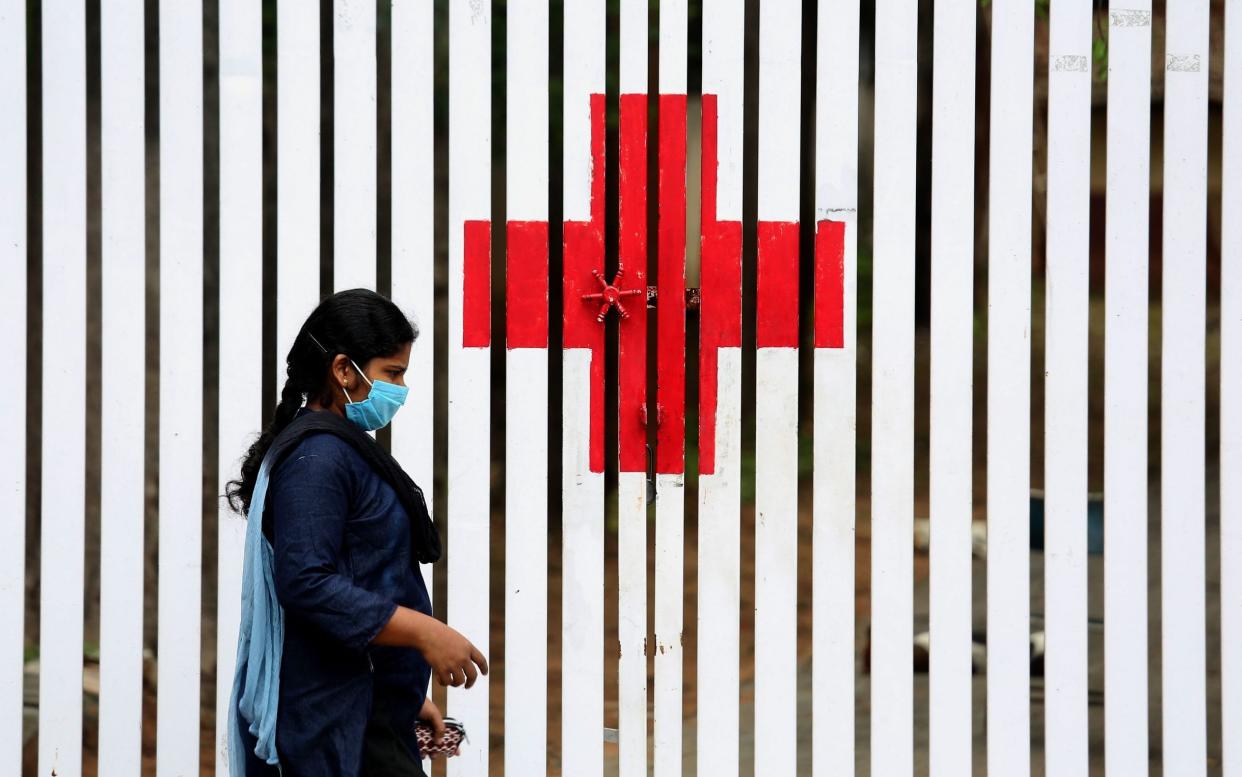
{"points": [[342, 565]]}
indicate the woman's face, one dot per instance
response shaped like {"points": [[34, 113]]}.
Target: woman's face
{"points": [[390, 369]]}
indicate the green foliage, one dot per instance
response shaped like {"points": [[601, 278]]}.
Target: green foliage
{"points": [[1099, 57]]}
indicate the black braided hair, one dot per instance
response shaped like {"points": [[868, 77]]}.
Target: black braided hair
{"points": [[358, 323]]}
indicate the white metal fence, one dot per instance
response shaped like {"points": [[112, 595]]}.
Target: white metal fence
{"points": [[528, 331]]}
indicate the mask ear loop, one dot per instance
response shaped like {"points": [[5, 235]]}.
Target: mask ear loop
{"points": [[360, 372]]}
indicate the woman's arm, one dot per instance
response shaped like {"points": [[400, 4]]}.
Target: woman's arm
{"points": [[452, 657], [310, 499]]}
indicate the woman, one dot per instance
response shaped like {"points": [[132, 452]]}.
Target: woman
{"points": [[337, 633]]}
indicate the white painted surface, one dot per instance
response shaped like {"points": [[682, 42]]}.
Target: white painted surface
{"points": [[674, 52], [584, 49], [719, 530], [780, 100], [833, 544], [892, 408], [834, 422], [1183, 411], [632, 46], [582, 575], [469, 376], [1065, 390], [181, 384], [123, 321], [950, 421], [719, 569], [1231, 405], [413, 245], [526, 548], [1009, 391], [669, 590], [776, 558], [13, 412], [526, 111], [297, 174], [62, 511], [1125, 391], [723, 72], [241, 353], [582, 491], [632, 622], [354, 143]]}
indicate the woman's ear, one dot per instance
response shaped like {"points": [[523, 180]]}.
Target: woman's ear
{"points": [[340, 370]]}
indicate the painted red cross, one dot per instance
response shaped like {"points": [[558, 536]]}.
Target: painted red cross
{"points": [[720, 312]]}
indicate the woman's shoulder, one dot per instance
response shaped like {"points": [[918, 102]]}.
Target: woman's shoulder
{"points": [[320, 454]]}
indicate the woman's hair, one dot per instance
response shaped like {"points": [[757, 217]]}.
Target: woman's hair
{"points": [[358, 323]]}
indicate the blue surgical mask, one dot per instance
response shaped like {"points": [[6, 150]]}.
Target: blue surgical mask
{"points": [[377, 410]]}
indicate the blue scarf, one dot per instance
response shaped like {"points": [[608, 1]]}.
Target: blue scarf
{"points": [[260, 641]]}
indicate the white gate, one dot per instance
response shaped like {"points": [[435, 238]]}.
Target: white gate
{"points": [[700, 131]]}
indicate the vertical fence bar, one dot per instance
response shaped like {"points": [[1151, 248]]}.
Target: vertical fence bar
{"points": [[834, 422], [892, 403], [720, 389], [413, 231], [632, 406], [354, 142], [526, 388], [670, 389], [582, 478], [412, 139], [1231, 404], [952, 346], [1008, 480], [64, 420], [240, 314], [776, 389], [469, 356], [13, 421], [1065, 389], [1125, 390], [297, 173], [123, 319], [1183, 390], [1009, 390], [181, 384]]}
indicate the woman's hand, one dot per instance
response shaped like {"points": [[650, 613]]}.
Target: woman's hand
{"points": [[430, 714], [451, 656]]}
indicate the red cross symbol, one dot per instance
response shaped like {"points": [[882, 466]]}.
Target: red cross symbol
{"points": [[720, 312]]}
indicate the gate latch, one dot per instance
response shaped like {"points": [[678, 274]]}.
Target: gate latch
{"points": [[610, 294]]}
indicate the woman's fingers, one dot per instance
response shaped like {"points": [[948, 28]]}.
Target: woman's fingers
{"points": [[478, 658], [471, 674]]}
